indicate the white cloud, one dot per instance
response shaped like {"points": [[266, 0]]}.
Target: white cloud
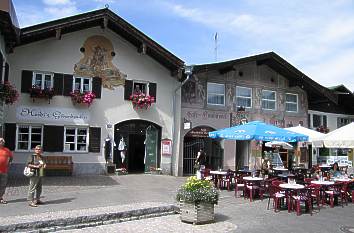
{"points": [[60, 12], [57, 2]]}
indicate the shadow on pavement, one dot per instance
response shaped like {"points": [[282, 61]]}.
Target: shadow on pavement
{"points": [[59, 201], [221, 218], [18, 181]]}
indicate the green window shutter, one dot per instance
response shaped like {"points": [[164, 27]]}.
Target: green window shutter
{"points": [[128, 89], [58, 84], [26, 80], [10, 135], [97, 86], [95, 139], [68, 84], [53, 138]]}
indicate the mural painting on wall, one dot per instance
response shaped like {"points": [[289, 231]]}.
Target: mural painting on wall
{"points": [[239, 118], [193, 91], [97, 62], [230, 96]]}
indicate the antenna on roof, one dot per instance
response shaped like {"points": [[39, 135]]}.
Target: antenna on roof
{"points": [[106, 6], [216, 46]]}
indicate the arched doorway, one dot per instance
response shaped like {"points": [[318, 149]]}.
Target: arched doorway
{"points": [[142, 141], [195, 139]]}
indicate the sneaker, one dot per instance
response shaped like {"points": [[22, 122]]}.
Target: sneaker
{"points": [[32, 204], [39, 202]]}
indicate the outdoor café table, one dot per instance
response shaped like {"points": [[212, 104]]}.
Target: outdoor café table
{"points": [[217, 175], [250, 178], [288, 189], [323, 182], [341, 179]]}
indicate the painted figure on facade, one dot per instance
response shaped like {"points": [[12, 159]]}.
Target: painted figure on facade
{"points": [[97, 62]]}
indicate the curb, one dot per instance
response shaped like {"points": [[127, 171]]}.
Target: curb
{"points": [[90, 220]]}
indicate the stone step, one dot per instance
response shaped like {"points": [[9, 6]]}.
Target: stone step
{"points": [[81, 218]]}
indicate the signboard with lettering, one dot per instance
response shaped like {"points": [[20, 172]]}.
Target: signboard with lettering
{"points": [[52, 115], [200, 132]]}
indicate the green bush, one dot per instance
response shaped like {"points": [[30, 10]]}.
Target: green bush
{"points": [[195, 190]]}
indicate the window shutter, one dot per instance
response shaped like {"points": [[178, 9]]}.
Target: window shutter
{"points": [[1, 62], [7, 71], [58, 84], [95, 139], [97, 86], [26, 81], [152, 90], [10, 135], [68, 84], [53, 138], [128, 89]]}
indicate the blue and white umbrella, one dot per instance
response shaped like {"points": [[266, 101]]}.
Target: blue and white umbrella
{"points": [[257, 130]]}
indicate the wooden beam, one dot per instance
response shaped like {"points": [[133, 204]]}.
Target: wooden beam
{"points": [[58, 33], [142, 48]]}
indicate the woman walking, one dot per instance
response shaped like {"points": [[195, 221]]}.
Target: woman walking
{"points": [[35, 162]]}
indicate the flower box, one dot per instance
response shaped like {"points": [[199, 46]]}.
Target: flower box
{"points": [[197, 199], [141, 100], [82, 97], [8, 93], [37, 92], [197, 212]]}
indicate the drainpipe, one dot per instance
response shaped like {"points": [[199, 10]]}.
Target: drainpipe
{"points": [[188, 70]]}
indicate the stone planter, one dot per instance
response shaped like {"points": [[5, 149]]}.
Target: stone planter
{"points": [[197, 213]]}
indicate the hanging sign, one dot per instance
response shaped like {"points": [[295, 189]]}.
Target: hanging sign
{"points": [[200, 132]]}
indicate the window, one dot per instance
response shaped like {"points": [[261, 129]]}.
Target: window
{"points": [[82, 84], [244, 97], [216, 94], [268, 100], [42, 80], [343, 121], [140, 87], [291, 102], [28, 136], [76, 139]]}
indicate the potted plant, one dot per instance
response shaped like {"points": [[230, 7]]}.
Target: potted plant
{"points": [[141, 100], [8, 93], [197, 199], [37, 92], [82, 97]]}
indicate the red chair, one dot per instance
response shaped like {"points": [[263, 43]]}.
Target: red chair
{"points": [[277, 194], [252, 187], [315, 193], [308, 180], [333, 191], [301, 196], [226, 181], [239, 185]]}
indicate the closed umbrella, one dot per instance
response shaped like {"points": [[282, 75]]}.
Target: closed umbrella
{"points": [[284, 145]]}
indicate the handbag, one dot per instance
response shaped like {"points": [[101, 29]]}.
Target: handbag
{"points": [[28, 171]]}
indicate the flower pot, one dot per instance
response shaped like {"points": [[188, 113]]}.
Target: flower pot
{"points": [[197, 213]]}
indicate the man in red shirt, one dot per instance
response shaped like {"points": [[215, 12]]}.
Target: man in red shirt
{"points": [[5, 159]]}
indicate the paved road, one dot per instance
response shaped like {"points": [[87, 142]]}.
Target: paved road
{"points": [[232, 214]]}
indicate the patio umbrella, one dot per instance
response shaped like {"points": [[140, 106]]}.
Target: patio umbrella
{"points": [[313, 134], [284, 145], [257, 130], [340, 138]]}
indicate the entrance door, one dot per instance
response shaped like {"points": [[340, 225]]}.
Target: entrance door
{"points": [[142, 150], [151, 148]]}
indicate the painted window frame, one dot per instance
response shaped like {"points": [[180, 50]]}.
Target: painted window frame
{"points": [[76, 135], [43, 78], [270, 100], [244, 97], [217, 94], [292, 103], [30, 134], [82, 79]]}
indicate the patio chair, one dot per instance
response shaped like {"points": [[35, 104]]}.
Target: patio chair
{"points": [[239, 185], [252, 188], [226, 181], [333, 191], [276, 194], [301, 196], [315, 194]]}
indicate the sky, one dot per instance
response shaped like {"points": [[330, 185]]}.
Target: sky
{"points": [[315, 36]]}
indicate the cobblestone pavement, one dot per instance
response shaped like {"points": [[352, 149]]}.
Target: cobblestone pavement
{"points": [[232, 214]]}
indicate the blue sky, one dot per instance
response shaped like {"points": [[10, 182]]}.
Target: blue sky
{"points": [[316, 36]]}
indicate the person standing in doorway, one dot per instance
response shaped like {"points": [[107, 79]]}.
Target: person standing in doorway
{"points": [[5, 160], [200, 162], [35, 162]]}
